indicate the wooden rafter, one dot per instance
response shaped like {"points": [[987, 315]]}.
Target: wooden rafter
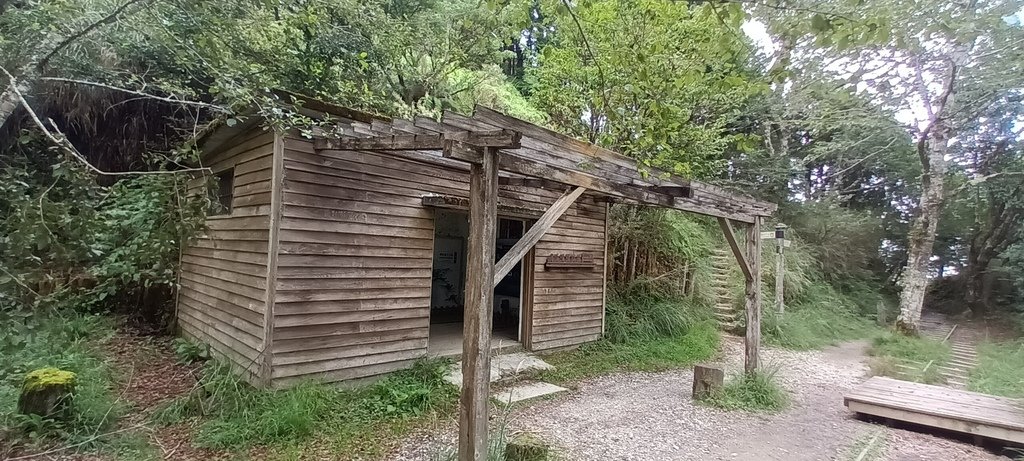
{"points": [[536, 232]]}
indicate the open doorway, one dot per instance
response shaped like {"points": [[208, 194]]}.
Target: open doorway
{"points": [[448, 285]]}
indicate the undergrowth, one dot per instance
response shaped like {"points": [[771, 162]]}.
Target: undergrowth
{"points": [[911, 358], [821, 316], [237, 415], [758, 391], [1000, 370], [72, 342], [645, 332]]}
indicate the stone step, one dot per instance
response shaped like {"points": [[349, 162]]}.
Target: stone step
{"points": [[527, 391], [953, 374], [504, 367]]}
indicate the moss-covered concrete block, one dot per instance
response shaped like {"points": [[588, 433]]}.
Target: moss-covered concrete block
{"points": [[527, 447], [47, 392]]}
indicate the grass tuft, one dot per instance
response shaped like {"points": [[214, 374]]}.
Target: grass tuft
{"points": [[751, 392], [1000, 370], [239, 416]]}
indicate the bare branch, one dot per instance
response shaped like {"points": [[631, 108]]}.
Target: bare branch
{"points": [[183, 102]]}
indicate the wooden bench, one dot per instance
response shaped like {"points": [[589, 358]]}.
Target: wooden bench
{"points": [[971, 413]]}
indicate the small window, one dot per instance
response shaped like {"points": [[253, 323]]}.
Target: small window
{"points": [[221, 192]]}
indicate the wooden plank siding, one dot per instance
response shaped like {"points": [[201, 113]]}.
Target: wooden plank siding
{"points": [[222, 300], [355, 263]]}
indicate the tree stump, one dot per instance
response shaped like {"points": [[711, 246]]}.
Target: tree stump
{"points": [[707, 380], [526, 447], [47, 392]]}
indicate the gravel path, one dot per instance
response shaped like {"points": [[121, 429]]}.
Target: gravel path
{"points": [[650, 416]]}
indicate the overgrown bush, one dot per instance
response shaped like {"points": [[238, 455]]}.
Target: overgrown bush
{"points": [[72, 243], [641, 311], [664, 250], [845, 242]]}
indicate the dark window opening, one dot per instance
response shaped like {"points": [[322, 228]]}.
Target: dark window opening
{"points": [[224, 186]]}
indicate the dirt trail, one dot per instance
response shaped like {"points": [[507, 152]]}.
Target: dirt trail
{"points": [[650, 416]]}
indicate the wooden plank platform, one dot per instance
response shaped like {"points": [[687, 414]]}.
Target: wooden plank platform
{"points": [[934, 406]]}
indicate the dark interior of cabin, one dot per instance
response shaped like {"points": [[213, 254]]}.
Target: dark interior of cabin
{"points": [[448, 284]]}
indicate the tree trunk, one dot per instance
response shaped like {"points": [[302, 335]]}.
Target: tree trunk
{"points": [[922, 230]]}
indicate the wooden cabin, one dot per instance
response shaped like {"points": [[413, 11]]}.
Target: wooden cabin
{"points": [[343, 256]]}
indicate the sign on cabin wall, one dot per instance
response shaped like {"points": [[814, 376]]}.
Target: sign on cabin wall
{"points": [[569, 261]]}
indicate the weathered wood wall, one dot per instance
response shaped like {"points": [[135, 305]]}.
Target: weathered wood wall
{"points": [[224, 272], [568, 304], [354, 268]]}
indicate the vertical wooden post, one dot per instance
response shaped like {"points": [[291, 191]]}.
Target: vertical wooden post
{"points": [[753, 298], [476, 340]]}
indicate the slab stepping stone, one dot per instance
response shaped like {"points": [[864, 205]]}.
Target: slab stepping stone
{"points": [[528, 391]]}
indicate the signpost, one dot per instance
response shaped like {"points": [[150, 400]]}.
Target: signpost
{"points": [[780, 263]]}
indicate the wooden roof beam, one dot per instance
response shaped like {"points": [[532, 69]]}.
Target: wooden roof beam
{"points": [[535, 183], [510, 162], [490, 138]]}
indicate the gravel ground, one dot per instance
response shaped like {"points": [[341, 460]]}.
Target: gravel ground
{"points": [[650, 416]]}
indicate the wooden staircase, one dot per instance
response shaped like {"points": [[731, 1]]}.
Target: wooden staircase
{"points": [[964, 357], [722, 264]]}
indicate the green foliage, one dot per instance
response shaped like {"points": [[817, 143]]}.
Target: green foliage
{"points": [[820, 316], [489, 87], [655, 250], [660, 80], [843, 242], [237, 415], [1000, 370], [908, 357], [636, 314], [190, 352], [751, 392]]}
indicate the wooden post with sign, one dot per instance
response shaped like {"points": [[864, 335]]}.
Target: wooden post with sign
{"points": [[780, 267], [476, 342]]}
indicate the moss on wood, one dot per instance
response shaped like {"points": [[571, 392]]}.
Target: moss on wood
{"points": [[47, 392]]}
